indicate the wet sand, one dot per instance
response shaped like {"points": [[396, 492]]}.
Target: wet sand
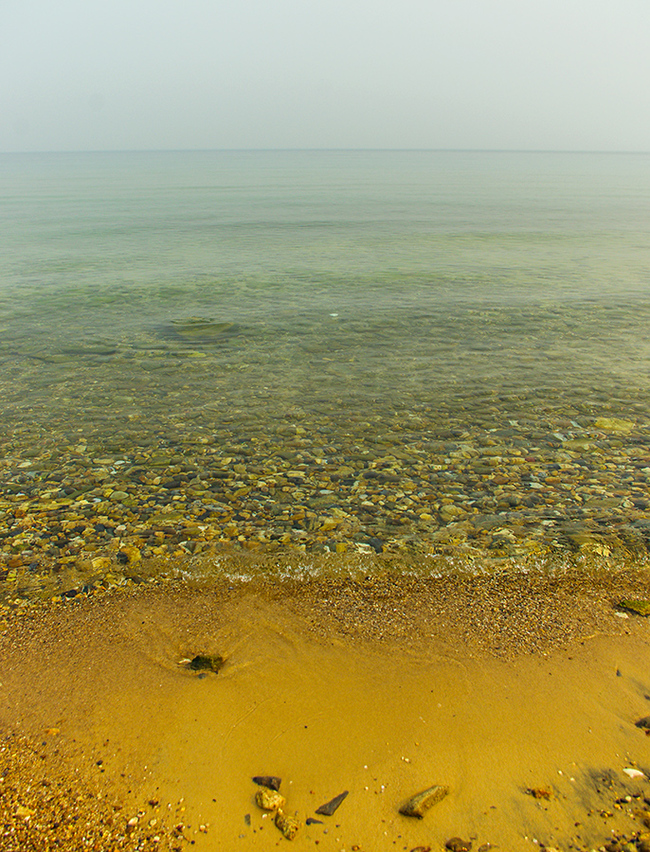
{"points": [[492, 686]]}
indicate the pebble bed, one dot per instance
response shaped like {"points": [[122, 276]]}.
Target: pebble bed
{"points": [[136, 457]]}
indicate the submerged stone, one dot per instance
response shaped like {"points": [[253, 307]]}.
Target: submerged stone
{"points": [[201, 329], [207, 662], [614, 424], [419, 804]]}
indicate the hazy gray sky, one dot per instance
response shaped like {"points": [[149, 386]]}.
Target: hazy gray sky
{"points": [[129, 74]]}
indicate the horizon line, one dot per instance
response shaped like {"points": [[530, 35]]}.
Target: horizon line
{"points": [[333, 150]]}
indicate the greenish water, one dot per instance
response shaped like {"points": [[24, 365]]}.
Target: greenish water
{"points": [[412, 353]]}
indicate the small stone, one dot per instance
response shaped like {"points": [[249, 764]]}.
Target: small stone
{"points": [[24, 812], [540, 792], [457, 844], [269, 800], [631, 772], [118, 496], [288, 825], [419, 804], [330, 807], [643, 723], [270, 781], [421, 849]]}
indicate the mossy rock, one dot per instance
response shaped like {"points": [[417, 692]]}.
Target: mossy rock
{"points": [[638, 607], [207, 663]]}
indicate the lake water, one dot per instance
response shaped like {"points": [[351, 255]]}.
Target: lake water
{"points": [[316, 354]]}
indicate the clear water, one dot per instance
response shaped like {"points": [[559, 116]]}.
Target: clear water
{"points": [[374, 323]]}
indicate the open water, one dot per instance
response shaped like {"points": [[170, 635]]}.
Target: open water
{"points": [[412, 353]]}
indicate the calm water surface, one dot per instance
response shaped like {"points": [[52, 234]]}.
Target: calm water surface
{"points": [[413, 354]]}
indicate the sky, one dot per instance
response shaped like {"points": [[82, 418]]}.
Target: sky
{"points": [[187, 74]]}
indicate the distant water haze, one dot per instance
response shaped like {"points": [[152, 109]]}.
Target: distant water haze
{"points": [[470, 74]]}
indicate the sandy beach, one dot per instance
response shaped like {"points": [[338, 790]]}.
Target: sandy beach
{"points": [[519, 693]]}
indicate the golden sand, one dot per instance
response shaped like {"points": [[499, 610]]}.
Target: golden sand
{"points": [[518, 693]]}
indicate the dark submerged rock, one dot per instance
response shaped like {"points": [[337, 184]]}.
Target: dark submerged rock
{"points": [[207, 662]]}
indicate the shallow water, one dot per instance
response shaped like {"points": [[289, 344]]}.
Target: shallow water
{"points": [[393, 352]]}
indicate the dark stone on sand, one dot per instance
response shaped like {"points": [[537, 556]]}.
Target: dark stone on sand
{"points": [[419, 804], [207, 662], [644, 723], [122, 557], [329, 807], [312, 821], [270, 781]]}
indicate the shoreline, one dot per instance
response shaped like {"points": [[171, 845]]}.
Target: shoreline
{"points": [[531, 676]]}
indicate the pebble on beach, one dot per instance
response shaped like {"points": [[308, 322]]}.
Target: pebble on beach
{"points": [[330, 807], [269, 800], [288, 824], [419, 804], [270, 781], [457, 844]]}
